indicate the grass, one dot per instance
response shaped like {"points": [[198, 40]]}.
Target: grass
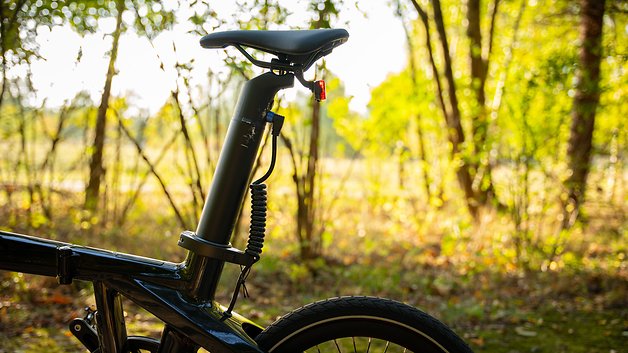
{"points": [[505, 318], [379, 243], [557, 331]]}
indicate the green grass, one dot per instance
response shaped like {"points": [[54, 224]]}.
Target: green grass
{"points": [[544, 312], [467, 275], [557, 332]]}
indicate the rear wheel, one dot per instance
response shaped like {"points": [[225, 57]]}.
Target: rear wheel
{"points": [[359, 324]]}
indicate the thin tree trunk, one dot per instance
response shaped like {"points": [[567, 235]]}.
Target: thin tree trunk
{"points": [[305, 184], [26, 164], [485, 169], [614, 168], [298, 182], [305, 187], [478, 75], [312, 249], [4, 76], [422, 155], [584, 105], [96, 169], [56, 138], [435, 72], [116, 178], [48, 162], [455, 116], [479, 60], [491, 36], [427, 180], [3, 52], [452, 117]]}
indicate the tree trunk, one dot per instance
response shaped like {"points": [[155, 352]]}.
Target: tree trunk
{"points": [[3, 67], [584, 105], [304, 182], [479, 60], [48, 162], [478, 76], [310, 248], [466, 171], [456, 134], [3, 51], [298, 184], [96, 169], [423, 163], [23, 158]]}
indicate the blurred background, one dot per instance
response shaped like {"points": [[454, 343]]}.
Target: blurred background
{"points": [[469, 159]]}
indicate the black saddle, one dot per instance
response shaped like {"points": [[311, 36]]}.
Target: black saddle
{"points": [[302, 47]]}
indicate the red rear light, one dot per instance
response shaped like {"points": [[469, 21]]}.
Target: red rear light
{"points": [[321, 93]]}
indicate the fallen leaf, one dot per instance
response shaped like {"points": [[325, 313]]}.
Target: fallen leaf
{"points": [[57, 298], [478, 341], [522, 331]]}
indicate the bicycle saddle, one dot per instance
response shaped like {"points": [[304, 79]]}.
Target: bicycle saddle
{"points": [[295, 46]]}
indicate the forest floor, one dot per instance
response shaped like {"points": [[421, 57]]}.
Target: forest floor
{"points": [[575, 302], [543, 312]]}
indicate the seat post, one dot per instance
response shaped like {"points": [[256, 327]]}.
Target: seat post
{"points": [[231, 178]]}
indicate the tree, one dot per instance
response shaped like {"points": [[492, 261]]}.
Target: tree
{"points": [[305, 180], [477, 186], [154, 19], [585, 103], [427, 180], [96, 169], [19, 24], [19, 21]]}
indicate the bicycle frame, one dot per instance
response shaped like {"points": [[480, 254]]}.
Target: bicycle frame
{"points": [[179, 294]]}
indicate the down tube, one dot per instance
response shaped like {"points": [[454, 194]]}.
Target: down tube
{"points": [[232, 176]]}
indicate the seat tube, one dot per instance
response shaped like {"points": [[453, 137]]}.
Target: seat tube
{"points": [[232, 176]]}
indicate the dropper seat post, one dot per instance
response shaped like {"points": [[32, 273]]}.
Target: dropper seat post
{"points": [[231, 178]]}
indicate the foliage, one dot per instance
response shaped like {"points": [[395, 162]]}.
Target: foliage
{"points": [[510, 279], [20, 20]]}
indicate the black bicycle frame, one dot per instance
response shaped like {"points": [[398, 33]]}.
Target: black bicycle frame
{"points": [[180, 294]]}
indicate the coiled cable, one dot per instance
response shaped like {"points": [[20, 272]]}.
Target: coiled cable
{"points": [[257, 230]]}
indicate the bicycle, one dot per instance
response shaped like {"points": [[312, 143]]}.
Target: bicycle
{"points": [[182, 294]]}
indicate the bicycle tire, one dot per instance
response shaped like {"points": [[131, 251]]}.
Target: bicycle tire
{"points": [[365, 322]]}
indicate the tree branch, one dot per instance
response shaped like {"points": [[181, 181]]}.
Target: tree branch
{"points": [[153, 171]]}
